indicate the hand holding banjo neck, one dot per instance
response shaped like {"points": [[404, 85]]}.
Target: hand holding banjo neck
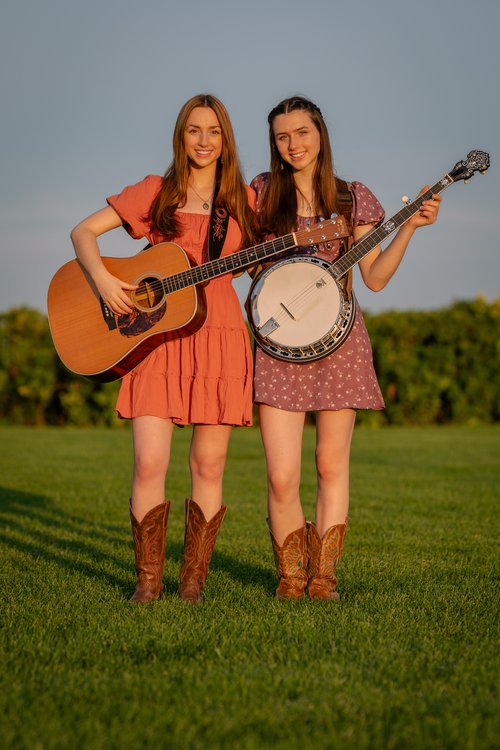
{"points": [[476, 161]]}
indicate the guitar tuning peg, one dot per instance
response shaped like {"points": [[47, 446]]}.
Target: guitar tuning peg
{"points": [[465, 182], [405, 199]]}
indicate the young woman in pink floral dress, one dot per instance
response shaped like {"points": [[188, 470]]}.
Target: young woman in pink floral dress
{"points": [[301, 188], [204, 379]]}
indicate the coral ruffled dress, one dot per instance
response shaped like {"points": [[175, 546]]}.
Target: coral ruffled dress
{"points": [[205, 378], [346, 378]]}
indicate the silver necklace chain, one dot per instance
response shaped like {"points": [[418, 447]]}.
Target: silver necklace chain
{"points": [[309, 204], [205, 203]]}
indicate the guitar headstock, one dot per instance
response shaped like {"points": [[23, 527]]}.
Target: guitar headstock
{"points": [[324, 231], [476, 161]]}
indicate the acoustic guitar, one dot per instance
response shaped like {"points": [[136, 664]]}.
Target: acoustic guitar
{"points": [[169, 301]]}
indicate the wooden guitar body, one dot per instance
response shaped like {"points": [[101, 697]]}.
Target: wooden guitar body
{"points": [[103, 347]]}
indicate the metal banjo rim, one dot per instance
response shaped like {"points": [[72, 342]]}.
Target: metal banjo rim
{"points": [[321, 347]]}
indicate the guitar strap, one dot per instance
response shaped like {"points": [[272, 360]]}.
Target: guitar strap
{"points": [[344, 205], [219, 220]]}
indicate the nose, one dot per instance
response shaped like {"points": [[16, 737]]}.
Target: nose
{"points": [[202, 138]]}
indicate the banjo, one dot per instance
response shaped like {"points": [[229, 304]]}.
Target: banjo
{"points": [[297, 308]]}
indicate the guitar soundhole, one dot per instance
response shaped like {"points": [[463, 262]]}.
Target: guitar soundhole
{"points": [[149, 293]]}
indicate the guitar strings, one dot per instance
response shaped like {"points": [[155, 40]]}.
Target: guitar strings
{"points": [[194, 275]]}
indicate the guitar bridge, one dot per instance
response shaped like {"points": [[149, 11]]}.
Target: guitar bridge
{"points": [[268, 327], [108, 316]]}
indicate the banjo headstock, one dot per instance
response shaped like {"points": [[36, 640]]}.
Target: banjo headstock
{"points": [[476, 161]]}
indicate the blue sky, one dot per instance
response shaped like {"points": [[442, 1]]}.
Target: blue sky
{"points": [[90, 92]]}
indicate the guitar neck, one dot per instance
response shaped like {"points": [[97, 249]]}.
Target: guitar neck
{"points": [[242, 259], [378, 235]]}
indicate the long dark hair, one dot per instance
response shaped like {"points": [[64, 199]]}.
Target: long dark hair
{"points": [[232, 192], [278, 212]]}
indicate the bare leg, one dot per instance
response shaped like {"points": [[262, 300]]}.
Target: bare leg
{"points": [[282, 438], [207, 460], [152, 440], [333, 444]]}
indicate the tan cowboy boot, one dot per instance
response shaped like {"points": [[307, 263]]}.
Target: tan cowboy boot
{"points": [[199, 540], [291, 564], [149, 547], [324, 556]]}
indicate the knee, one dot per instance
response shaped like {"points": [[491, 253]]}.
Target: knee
{"points": [[208, 469], [148, 466], [283, 484], [332, 468]]}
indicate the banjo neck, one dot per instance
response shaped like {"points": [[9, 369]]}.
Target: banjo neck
{"points": [[378, 235]]}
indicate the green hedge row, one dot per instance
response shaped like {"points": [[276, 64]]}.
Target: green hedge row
{"points": [[440, 366], [434, 367]]}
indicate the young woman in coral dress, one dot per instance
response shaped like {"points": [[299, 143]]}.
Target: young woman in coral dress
{"points": [[204, 379], [300, 188]]}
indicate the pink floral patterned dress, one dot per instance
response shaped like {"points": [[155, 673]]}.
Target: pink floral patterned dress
{"points": [[346, 378]]}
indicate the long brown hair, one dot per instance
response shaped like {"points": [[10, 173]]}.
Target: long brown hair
{"points": [[232, 193], [278, 212]]}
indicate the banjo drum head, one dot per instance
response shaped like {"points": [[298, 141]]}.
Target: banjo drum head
{"points": [[298, 310]]}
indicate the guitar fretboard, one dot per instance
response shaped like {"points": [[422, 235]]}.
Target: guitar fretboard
{"points": [[378, 235], [219, 266]]}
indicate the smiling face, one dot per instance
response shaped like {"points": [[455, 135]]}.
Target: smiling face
{"points": [[297, 139], [202, 138]]}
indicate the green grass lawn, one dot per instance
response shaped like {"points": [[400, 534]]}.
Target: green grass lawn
{"points": [[406, 659]]}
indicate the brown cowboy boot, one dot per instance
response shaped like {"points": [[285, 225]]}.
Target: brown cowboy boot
{"points": [[199, 541], [324, 556], [291, 564], [149, 547]]}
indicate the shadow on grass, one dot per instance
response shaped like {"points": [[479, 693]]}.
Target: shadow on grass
{"points": [[33, 525]]}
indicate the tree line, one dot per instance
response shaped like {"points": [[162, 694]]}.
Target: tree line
{"points": [[434, 367]]}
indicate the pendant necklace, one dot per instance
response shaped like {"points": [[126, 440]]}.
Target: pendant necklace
{"points": [[309, 204], [205, 203]]}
